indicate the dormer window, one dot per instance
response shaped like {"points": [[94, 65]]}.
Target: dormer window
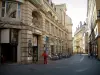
{"points": [[10, 9]]}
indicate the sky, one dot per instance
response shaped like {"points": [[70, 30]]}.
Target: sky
{"points": [[76, 9]]}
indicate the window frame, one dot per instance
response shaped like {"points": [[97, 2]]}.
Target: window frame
{"points": [[17, 10]]}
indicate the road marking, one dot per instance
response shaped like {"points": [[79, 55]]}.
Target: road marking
{"points": [[61, 67], [84, 54], [81, 59], [81, 70]]}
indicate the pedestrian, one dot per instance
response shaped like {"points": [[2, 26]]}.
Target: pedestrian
{"points": [[89, 54], [2, 59], [45, 57], [92, 54]]}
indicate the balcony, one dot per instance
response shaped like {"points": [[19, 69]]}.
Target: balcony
{"points": [[49, 7], [40, 4], [6, 20], [36, 2]]}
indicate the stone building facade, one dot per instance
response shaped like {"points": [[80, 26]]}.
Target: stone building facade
{"points": [[69, 25], [61, 9], [93, 15], [80, 39], [28, 27]]}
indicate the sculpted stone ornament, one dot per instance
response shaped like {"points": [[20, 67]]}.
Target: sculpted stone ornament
{"points": [[36, 22], [30, 47]]}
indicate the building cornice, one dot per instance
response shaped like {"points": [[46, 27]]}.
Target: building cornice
{"points": [[50, 7]]}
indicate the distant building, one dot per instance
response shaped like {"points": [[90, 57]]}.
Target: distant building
{"points": [[80, 39], [69, 25]]}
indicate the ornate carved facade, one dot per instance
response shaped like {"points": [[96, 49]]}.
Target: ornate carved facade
{"points": [[38, 28]]}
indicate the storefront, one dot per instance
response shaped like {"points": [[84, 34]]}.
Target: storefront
{"points": [[35, 48], [9, 43], [52, 48]]}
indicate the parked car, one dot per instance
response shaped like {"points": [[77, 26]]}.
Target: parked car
{"points": [[64, 55], [69, 55], [50, 57], [53, 57], [60, 55]]}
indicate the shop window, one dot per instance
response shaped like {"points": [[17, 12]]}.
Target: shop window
{"points": [[14, 36]]}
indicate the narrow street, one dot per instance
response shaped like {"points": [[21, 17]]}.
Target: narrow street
{"points": [[76, 65]]}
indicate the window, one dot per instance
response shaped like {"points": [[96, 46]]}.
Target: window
{"points": [[13, 14], [60, 33], [3, 12], [14, 36], [18, 10], [3, 9], [55, 9], [51, 4], [47, 25], [52, 28], [56, 31], [10, 9]]}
